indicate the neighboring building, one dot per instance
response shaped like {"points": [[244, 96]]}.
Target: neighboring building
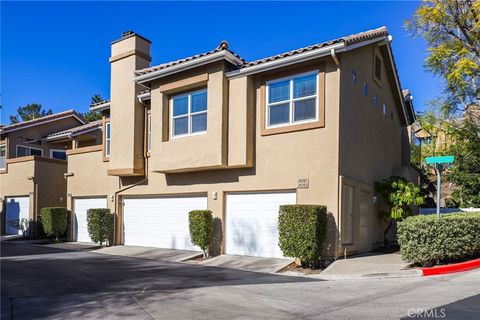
{"points": [[316, 125], [33, 164]]}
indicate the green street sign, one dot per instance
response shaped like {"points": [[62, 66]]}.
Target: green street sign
{"points": [[439, 160]]}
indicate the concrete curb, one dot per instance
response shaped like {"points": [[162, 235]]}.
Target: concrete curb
{"points": [[452, 268]]}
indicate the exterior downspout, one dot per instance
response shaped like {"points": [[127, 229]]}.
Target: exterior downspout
{"points": [[334, 57], [118, 203]]}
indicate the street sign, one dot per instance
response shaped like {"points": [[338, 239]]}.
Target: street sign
{"points": [[440, 160], [439, 164]]}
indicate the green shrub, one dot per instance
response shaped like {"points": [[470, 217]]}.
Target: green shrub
{"points": [[302, 232], [100, 225], [426, 239], [54, 221], [201, 229]]}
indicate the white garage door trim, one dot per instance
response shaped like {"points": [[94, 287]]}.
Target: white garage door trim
{"points": [[80, 207], [160, 221], [16, 208], [252, 222]]}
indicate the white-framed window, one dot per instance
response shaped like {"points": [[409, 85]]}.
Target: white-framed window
{"points": [[292, 100], [58, 154], [149, 132], [3, 156], [107, 139], [188, 113], [24, 151]]}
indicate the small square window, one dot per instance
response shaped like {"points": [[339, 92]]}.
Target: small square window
{"points": [[375, 100], [384, 108], [354, 77], [365, 89]]}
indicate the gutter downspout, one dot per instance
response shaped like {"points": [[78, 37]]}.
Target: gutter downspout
{"points": [[334, 57], [118, 203]]}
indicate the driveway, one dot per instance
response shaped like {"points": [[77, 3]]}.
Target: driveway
{"points": [[52, 283]]}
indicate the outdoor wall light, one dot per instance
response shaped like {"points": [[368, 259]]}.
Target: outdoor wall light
{"points": [[374, 199], [214, 195]]}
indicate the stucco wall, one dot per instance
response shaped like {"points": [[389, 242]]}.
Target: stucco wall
{"points": [[371, 142], [279, 159]]}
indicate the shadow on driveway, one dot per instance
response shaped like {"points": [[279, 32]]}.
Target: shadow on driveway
{"points": [[38, 278]]}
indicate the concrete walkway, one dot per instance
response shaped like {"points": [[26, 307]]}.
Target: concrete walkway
{"points": [[172, 255], [368, 266], [247, 263]]}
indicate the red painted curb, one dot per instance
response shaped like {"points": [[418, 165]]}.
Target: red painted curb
{"points": [[451, 268]]}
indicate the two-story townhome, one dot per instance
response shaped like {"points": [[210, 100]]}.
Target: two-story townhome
{"points": [[316, 125], [33, 163]]}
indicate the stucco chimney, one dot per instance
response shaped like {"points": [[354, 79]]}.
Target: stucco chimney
{"points": [[129, 53]]}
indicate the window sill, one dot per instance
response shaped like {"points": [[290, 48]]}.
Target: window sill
{"points": [[292, 128]]}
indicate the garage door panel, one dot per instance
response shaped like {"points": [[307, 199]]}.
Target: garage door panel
{"points": [[16, 208], [252, 223], [160, 222], [81, 206]]}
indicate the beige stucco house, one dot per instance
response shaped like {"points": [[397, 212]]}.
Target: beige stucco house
{"points": [[316, 125], [33, 163]]}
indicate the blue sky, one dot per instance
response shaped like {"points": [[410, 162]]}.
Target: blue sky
{"points": [[56, 53]]}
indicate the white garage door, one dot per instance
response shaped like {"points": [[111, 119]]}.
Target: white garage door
{"points": [[160, 222], [252, 220], [81, 206], [16, 208]]}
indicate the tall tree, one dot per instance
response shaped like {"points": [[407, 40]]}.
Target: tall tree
{"points": [[91, 116], [29, 112], [451, 29]]}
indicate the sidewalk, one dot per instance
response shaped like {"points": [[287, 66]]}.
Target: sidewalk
{"points": [[368, 266]]}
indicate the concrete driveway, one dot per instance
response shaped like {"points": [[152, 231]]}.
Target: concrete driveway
{"points": [[53, 283]]}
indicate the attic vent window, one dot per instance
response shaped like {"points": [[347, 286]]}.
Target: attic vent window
{"points": [[375, 100], [384, 108], [377, 68], [365, 89], [354, 77]]}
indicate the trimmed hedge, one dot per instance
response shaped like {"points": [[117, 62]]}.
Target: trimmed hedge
{"points": [[302, 232], [54, 221], [201, 229], [426, 239], [100, 225]]}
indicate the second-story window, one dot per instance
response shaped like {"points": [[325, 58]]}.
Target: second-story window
{"points": [[189, 113], [107, 139], [292, 100], [24, 151], [3, 155], [149, 132]]}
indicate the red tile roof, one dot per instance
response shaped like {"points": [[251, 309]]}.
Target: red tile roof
{"points": [[39, 121]]}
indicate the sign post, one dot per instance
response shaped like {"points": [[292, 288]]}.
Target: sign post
{"points": [[440, 163]]}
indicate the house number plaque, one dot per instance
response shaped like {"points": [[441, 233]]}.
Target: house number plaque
{"points": [[303, 183]]}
